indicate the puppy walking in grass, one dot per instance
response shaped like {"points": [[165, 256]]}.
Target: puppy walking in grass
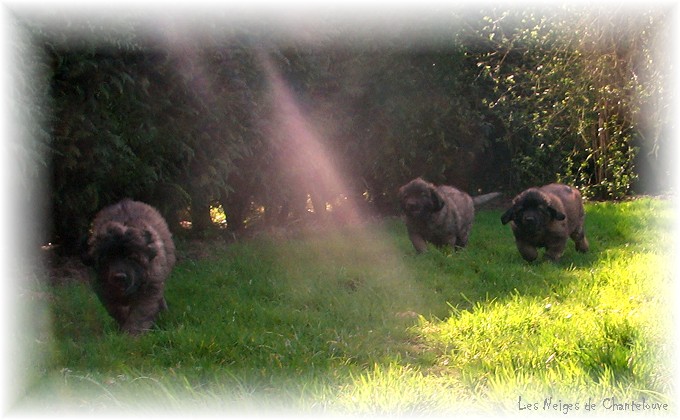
{"points": [[545, 217], [132, 252], [441, 215]]}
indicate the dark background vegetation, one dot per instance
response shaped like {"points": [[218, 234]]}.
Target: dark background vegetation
{"points": [[497, 99]]}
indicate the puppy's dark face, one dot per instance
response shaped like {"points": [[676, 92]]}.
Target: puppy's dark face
{"points": [[532, 219], [531, 213], [419, 199], [121, 258], [121, 275]]}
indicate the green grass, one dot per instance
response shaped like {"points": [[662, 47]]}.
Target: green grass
{"points": [[353, 321]]}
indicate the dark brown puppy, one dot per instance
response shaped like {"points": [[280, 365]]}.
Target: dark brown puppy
{"points": [[544, 218], [440, 215], [132, 252]]}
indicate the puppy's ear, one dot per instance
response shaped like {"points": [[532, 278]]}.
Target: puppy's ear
{"points": [[556, 214], [508, 215], [151, 247], [437, 200], [400, 192]]}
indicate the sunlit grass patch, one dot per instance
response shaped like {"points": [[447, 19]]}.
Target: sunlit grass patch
{"points": [[592, 330], [405, 390]]}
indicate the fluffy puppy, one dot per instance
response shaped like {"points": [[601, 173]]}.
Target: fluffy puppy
{"points": [[132, 252], [545, 217], [440, 215]]}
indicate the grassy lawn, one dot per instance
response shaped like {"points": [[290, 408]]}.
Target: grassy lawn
{"points": [[353, 321]]}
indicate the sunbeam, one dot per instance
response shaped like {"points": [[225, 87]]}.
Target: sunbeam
{"points": [[304, 151]]}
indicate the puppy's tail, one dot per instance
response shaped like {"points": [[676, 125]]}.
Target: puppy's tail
{"points": [[485, 198]]}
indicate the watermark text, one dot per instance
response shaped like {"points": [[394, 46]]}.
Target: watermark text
{"points": [[608, 404]]}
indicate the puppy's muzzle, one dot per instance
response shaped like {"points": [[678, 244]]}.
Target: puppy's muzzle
{"points": [[413, 208], [123, 282], [531, 223], [121, 279]]}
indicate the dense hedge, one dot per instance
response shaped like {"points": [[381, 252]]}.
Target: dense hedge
{"points": [[502, 100]]}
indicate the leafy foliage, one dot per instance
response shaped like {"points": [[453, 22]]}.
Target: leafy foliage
{"points": [[142, 125], [571, 86], [503, 100]]}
